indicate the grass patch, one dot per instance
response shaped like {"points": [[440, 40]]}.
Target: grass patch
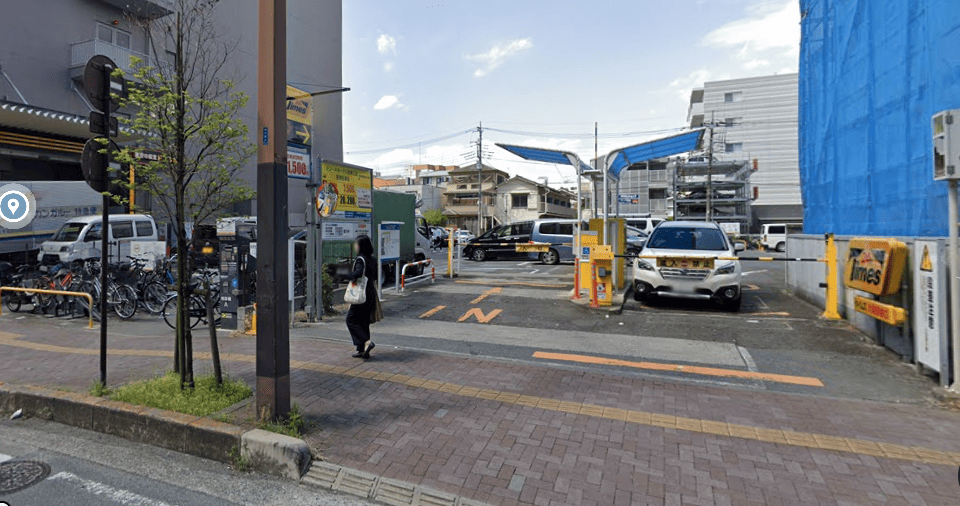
{"points": [[165, 393], [99, 389], [292, 425]]}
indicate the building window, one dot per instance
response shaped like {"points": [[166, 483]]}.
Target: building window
{"points": [[519, 200], [733, 96], [732, 122], [113, 35], [461, 187], [734, 147]]}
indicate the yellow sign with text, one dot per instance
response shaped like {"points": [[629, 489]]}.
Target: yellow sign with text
{"points": [[299, 116], [347, 191], [875, 265], [884, 312]]}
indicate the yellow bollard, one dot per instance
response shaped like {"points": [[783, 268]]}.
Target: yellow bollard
{"points": [[830, 308]]}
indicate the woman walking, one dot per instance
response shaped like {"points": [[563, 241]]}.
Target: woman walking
{"points": [[359, 316]]}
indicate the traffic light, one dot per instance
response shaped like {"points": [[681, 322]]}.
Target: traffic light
{"points": [[104, 91]]}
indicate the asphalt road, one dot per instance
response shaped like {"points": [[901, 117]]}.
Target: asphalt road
{"points": [[94, 469], [520, 310]]}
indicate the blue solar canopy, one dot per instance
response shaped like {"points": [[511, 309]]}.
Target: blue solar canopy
{"points": [[668, 146], [537, 154]]}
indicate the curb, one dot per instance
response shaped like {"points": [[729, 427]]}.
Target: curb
{"points": [[397, 493], [267, 452]]}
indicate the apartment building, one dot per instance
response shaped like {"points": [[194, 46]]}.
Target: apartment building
{"points": [[756, 119], [470, 196]]}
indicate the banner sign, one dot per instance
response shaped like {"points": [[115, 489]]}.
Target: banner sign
{"points": [[298, 162], [345, 192], [299, 116], [343, 230]]}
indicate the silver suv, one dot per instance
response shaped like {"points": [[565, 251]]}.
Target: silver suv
{"points": [[680, 259]]}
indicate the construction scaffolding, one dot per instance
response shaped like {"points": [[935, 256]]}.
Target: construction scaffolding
{"points": [[718, 189]]}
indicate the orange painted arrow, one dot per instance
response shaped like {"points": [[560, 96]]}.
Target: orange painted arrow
{"points": [[478, 314]]}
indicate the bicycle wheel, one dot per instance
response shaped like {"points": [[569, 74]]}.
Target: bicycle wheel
{"points": [[12, 299], [126, 305], [170, 314], [154, 295]]}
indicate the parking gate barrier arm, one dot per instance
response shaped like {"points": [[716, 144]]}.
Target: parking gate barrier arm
{"points": [[53, 292]]}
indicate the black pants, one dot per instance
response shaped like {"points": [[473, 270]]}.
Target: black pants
{"points": [[358, 323]]}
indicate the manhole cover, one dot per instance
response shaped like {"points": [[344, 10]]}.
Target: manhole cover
{"points": [[18, 475]]}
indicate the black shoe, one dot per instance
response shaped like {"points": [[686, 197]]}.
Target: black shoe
{"points": [[359, 354], [370, 346]]}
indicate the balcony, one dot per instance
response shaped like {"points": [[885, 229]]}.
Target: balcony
{"points": [[143, 8], [81, 52]]}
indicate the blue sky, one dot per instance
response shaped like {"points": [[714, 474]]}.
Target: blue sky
{"points": [[423, 70]]}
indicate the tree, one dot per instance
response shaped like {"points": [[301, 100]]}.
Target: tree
{"points": [[189, 114], [435, 217]]}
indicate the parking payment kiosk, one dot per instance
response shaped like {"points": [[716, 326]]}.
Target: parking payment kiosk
{"points": [[237, 269], [601, 265]]}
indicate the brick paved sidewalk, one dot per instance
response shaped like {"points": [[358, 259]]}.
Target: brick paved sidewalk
{"points": [[512, 433]]}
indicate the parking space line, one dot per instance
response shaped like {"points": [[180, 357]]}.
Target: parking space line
{"points": [[486, 294], [433, 311], [689, 369]]}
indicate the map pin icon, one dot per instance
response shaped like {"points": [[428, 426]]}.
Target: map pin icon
{"points": [[13, 204]]}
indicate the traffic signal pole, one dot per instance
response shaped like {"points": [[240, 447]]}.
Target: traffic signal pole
{"points": [[273, 331]]}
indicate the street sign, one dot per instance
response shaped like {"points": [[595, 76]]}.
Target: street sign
{"points": [[98, 124], [96, 87], [93, 164]]}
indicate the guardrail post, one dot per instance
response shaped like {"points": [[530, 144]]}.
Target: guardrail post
{"points": [[830, 307], [433, 274], [576, 278]]}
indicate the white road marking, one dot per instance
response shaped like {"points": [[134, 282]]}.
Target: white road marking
{"points": [[534, 271], [747, 359], [762, 303], [4, 458], [753, 272], [116, 495], [525, 263]]}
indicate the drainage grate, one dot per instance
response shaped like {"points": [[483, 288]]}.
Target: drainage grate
{"points": [[18, 475]]}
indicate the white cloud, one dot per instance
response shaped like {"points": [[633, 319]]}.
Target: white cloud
{"points": [[387, 67], [498, 54], [388, 101], [386, 44], [682, 86], [767, 39]]}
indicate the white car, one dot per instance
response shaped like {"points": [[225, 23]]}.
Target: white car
{"points": [[689, 259], [463, 236]]}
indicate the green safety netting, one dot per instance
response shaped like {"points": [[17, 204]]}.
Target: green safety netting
{"points": [[872, 73]]}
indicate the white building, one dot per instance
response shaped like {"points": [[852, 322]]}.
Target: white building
{"points": [[756, 118]]}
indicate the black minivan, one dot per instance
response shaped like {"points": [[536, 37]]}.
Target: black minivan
{"points": [[499, 242]]}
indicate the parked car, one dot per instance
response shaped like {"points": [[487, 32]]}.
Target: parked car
{"points": [[636, 239], [775, 234], [685, 264], [644, 224], [463, 236], [499, 242], [79, 238]]}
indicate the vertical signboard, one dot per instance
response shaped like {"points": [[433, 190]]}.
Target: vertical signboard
{"points": [[345, 193], [299, 116], [389, 248], [298, 162], [930, 305]]}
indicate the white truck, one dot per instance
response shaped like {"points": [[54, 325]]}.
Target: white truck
{"points": [[57, 202]]}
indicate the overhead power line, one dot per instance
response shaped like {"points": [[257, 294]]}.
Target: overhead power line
{"points": [[411, 145]]}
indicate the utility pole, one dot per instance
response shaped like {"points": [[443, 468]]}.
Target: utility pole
{"points": [[273, 319], [709, 214], [480, 180]]}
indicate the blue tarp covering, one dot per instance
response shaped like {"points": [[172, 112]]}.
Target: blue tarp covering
{"points": [[667, 146], [872, 73]]}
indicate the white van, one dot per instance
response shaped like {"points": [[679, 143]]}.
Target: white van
{"points": [[775, 234], [646, 225], [79, 238]]}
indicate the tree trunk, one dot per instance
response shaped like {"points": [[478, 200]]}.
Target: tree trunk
{"points": [[214, 348]]}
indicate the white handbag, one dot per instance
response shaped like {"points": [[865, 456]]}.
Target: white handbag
{"points": [[357, 290]]}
